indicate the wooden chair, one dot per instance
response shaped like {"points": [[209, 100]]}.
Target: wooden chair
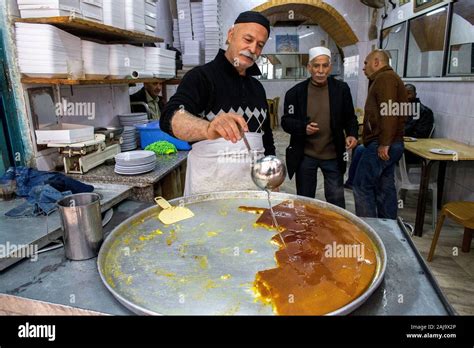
{"points": [[271, 112], [462, 213], [276, 103]]}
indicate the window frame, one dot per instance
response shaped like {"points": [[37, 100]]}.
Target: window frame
{"points": [[446, 44]]}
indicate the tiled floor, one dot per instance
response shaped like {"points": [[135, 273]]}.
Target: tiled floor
{"points": [[453, 269]]}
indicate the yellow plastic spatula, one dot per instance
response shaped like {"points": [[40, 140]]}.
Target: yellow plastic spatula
{"points": [[171, 214]]}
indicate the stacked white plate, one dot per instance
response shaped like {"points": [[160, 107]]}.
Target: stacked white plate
{"points": [[119, 63], [135, 162], [213, 40], [136, 56], [114, 13], [192, 55], [92, 10], [184, 22], [133, 119], [46, 51], [48, 8], [135, 15], [129, 139], [96, 59], [160, 62]]}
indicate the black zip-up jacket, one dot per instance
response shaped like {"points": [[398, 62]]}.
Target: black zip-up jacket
{"points": [[295, 119], [217, 87]]}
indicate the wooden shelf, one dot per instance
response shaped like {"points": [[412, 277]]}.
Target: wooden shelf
{"points": [[53, 81], [93, 31]]}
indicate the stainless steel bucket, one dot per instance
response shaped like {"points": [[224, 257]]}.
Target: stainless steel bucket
{"points": [[82, 225]]}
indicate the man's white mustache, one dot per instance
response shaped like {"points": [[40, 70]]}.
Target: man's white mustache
{"points": [[249, 54]]}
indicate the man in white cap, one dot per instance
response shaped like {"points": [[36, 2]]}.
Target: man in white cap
{"points": [[319, 115]]}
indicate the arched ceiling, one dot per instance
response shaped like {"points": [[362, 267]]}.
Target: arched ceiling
{"points": [[310, 12]]}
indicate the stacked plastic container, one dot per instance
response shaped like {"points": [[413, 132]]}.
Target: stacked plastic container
{"points": [[114, 13], [48, 8], [119, 63], [135, 15], [136, 56], [192, 55], [46, 51], [184, 22], [150, 17], [176, 40], [96, 60], [213, 39], [160, 62]]}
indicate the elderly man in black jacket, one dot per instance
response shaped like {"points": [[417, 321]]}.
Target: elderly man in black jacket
{"points": [[319, 115]]}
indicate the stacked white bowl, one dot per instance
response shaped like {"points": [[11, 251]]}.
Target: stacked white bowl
{"points": [[46, 51], [96, 59], [135, 15], [160, 62], [119, 63], [114, 13]]}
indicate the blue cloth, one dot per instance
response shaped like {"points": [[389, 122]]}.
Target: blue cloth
{"points": [[306, 180], [374, 189], [356, 155], [27, 178], [41, 201]]}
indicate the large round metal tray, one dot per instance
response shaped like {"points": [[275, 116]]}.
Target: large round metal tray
{"points": [[205, 265]]}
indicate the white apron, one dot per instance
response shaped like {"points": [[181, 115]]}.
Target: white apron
{"points": [[220, 165]]}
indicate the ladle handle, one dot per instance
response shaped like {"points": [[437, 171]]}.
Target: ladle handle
{"points": [[246, 142]]}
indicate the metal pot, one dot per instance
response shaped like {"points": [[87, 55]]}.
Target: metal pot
{"points": [[156, 269]]}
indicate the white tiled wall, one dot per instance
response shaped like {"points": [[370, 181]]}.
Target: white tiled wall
{"points": [[453, 104]]}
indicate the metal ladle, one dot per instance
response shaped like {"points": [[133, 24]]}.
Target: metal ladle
{"points": [[268, 172]]}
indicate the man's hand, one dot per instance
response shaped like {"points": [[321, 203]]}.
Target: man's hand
{"points": [[351, 142], [383, 152], [227, 126], [311, 128]]}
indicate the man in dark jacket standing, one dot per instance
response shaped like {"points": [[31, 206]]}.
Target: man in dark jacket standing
{"points": [[317, 113], [374, 183]]}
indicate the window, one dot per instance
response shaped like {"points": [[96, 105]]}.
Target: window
{"points": [[394, 43], [461, 43], [426, 44]]}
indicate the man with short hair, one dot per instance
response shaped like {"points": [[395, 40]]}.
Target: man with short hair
{"points": [[374, 183], [319, 115], [418, 126], [150, 95], [218, 101]]}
